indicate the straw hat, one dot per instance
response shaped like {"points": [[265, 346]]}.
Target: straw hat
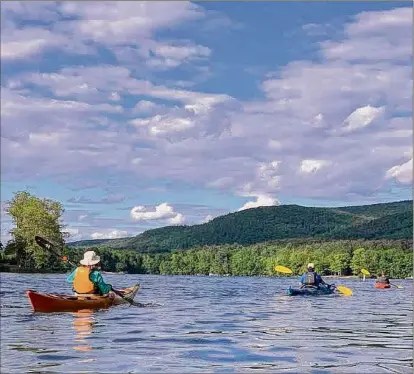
{"points": [[311, 265], [90, 258]]}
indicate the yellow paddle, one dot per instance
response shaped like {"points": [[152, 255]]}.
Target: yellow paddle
{"points": [[283, 269], [342, 289], [365, 272]]}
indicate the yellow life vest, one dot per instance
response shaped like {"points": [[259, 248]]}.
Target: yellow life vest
{"points": [[81, 282]]}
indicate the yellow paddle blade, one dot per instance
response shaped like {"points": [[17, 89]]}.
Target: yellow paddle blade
{"points": [[344, 290], [365, 272], [283, 269]]}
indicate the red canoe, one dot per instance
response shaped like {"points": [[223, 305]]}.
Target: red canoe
{"points": [[48, 303], [382, 285]]}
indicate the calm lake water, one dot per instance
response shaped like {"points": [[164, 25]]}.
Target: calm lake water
{"points": [[210, 324]]}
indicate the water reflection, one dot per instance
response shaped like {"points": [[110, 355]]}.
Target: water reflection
{"points": [[83, 323], [210, 324]]}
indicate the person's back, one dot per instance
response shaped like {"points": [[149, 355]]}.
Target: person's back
{"points": [[383, 279], [82, 283], [311, 278], [86, 278]]}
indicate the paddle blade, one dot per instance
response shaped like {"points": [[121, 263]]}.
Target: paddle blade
{"points": [[283, 269], [43, 242], [365, 272], [344, 290]]}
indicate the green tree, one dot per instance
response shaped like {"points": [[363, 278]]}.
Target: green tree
{"points": [[358, 261], [33, 216]]}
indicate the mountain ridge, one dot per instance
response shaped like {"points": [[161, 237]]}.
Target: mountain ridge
{"points": [[289, 221]]}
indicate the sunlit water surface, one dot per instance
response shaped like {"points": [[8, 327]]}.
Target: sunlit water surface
{"points": [[210, 324]]}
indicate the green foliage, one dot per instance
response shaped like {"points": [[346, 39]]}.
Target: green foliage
{"points": [[250, 242], [379, 210], [33, 216], [330, 257], [393, 226], [387, 221]]}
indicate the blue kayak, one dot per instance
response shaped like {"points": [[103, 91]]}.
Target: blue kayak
{"points": [[311, 291]]}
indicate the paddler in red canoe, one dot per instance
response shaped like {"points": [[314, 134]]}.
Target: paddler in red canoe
{"points": [[383, 279], [87, 279]]}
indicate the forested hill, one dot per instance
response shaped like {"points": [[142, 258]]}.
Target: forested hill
{"points": [[378, 221]]}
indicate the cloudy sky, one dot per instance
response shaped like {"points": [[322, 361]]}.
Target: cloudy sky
{"points": [[138, 115]]}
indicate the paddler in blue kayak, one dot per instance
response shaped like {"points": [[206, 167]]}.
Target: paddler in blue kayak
{"points": [[311, 278], [87, 279]]}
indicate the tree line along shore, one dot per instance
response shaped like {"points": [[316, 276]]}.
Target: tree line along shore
{"points": [[345, 257]]}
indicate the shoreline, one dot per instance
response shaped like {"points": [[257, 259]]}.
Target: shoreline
{"points": [[26, 271]]}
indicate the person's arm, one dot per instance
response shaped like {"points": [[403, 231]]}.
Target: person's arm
{"points": [[302, 280], [320, 280], [71, 276], [97, 279]]}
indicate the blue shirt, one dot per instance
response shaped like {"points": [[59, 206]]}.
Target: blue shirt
{"points": [[96, 278], [318, 279]]}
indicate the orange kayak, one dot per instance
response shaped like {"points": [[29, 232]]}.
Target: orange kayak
{"points": [[48, 303], [382, 285]]}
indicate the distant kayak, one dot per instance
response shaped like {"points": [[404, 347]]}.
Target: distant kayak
{"points": [[48, 303], [310, 291], [382, 285]]}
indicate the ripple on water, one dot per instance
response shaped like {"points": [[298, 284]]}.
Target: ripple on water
{"points": [[208, 324]]}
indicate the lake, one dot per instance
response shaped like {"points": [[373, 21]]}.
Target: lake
{"points": [[210, 324]]}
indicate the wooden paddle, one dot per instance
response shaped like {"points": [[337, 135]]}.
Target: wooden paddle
{"points": [[342, 289], [46, 244]]}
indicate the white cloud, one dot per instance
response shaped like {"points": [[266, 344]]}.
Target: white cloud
{"points": [[115, 96], [183, 52], [374, 22], [145, 106], [274, 144], [201, 115], [261, 200], [20, 44], [362, 117], [391, 45], [163, 124], [402, 173], [77, 118], [161, 212], [120, 22], [114, 234], [221, 182], [179, 219], [169, 56], [312, 166], [74, 234], [6, 224], [207, 218]]}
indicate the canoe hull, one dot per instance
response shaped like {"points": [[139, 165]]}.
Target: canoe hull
{"points": [[382, 285], [310, 291], [49, 303]]}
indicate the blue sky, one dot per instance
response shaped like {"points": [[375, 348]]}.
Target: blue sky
{"points": [[138, 115]]}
